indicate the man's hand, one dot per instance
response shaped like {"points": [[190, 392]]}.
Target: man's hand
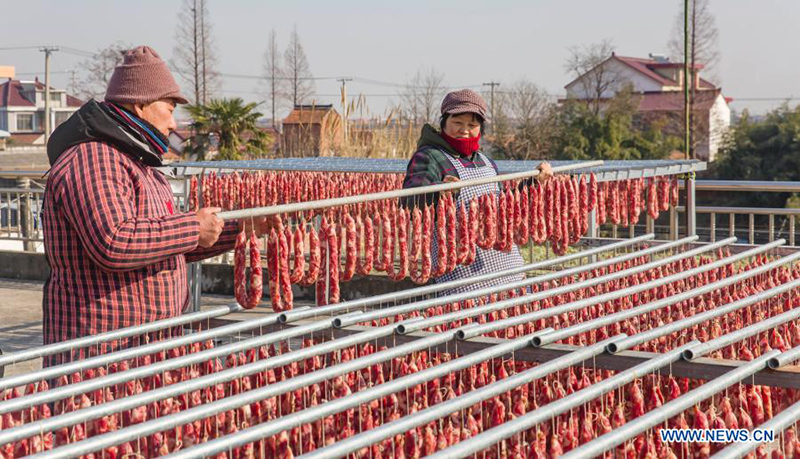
{"points": [[210, 226], [545, 172]]}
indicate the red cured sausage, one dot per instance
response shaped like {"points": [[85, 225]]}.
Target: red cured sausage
{"points": [[364, 266], [441, 239], [474, 219], [314, 258], [247, 300], [351, 248], [298, 240], [463, 248], [452, 242], [402, 243]]}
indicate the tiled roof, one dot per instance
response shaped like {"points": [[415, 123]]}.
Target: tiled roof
{"points": [[308, 114], [11, 95]]}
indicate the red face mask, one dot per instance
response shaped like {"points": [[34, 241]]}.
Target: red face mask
{"points": [[466, 146]]}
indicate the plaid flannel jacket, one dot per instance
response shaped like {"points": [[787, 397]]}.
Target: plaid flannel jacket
{"points": [[117, 249]]}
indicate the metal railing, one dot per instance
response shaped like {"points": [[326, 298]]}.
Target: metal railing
{"points": [[20, 214], [21, 206], [763, 224]]}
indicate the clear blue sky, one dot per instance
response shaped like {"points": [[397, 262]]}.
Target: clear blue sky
{"points": [[470, 41]]}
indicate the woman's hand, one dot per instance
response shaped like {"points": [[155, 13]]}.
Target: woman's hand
{"points": [[545, 172], [451, 179], [262, 225]]}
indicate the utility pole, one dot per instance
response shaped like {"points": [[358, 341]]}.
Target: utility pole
{"points": [[344, 105], [73, 85], [492, 84], [47, 50], [687, 125]]}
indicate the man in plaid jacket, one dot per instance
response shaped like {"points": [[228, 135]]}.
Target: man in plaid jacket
{"points": [[116, 246]]}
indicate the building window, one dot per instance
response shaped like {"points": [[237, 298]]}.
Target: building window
{"points": [[55, 97], [25, 121], [61, 117]]}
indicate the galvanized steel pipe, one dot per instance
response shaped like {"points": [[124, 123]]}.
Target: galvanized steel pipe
{"points": [[658, 304], [466, 400], [273, 427], [291, 316], [779, 423], [421, 305], [359, 199], [230, 403], [471, 312], [111, 379], [791, 355], [174, 390], [576, 305], [738, 335], [66, 346], [152, 348], [669, 409], [544, 413], [721, 310]]}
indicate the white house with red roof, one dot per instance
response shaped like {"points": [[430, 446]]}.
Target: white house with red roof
{"points": [[22, 110], [658, 84]]}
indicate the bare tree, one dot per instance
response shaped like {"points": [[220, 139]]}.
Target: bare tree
{"points": [[194, 56], [421, 98], [703, 36], [533, 113], [703, 50], [297, 71], [98, 69], [596, 81], [273, 75]]}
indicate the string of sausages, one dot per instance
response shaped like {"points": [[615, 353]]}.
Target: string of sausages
{"points": [[384, 236]]}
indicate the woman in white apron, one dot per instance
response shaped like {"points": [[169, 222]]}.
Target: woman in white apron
{"points": [[450, 154]]}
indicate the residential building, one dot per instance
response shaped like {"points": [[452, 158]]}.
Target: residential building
{"points": [[311, 130], [22, 110], [658, 88]]}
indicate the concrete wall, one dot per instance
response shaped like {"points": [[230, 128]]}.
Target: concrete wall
{"points": [[217, 278]]}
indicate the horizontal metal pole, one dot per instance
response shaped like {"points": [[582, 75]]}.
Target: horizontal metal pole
{"points": [[152, 348], [359, 199], [66, 346], [471, 398], [786, 358], [668, 410], [704, 316], [475, 311], [287, 422], [743, 333], [22, 190], [230, 403], [701, 368], [551, 410], [576, 305], [422, 305], [127, 403], [747, 185], [291, 316], [57, 393], [778, 423], [745, 210], [658, 304]]}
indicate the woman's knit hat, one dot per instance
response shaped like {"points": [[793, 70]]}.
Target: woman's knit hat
{"points": [[143, 77], [464, 101]]}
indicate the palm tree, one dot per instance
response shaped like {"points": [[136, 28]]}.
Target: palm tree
{"points": [[233, 123]]}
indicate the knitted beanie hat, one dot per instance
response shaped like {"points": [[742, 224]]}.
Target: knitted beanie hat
{"points": [[464, 101], [143, 77]]}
